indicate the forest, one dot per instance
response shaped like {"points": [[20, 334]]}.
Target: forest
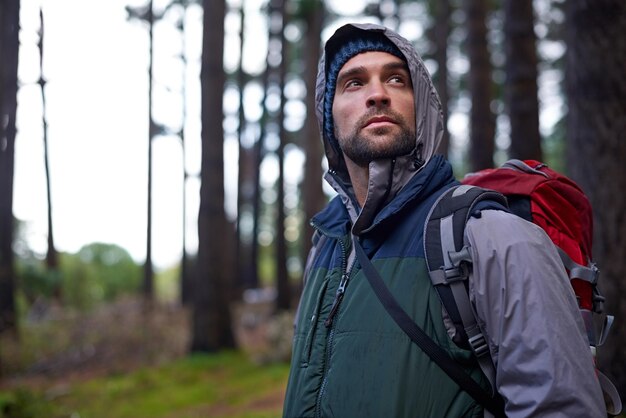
{"points": [[541, 80]]}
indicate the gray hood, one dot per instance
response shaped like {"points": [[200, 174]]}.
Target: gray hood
{"points": [[387, 176]]}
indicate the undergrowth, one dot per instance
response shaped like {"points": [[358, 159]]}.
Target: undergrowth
{"points": [[226, 384], [123, 361]]}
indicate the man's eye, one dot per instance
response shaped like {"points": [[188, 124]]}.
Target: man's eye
{"points": [[353, 83], [396, 79]]}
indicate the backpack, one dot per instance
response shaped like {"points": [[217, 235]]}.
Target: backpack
{"points": [[540, 195]]}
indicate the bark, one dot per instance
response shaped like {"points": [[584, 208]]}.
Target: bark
{"points": [[247, 274], [283, 294], [9, 46], [211, 327], [312, 192], [480, 85], [521, 79], [596, 150], [52, 259], [148, 270], [441, 34]]}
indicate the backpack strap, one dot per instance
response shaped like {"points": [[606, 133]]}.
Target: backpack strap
{"points": [[449, 263], [492, 402]]}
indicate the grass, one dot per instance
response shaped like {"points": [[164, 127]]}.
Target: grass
{"points": [[125, 359], [226, 384]]}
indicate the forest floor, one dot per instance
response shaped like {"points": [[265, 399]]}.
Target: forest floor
{"points": [[61, 353]]}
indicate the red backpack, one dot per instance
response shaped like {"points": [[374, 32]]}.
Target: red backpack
{"points": [[542, 196], [558, 205]]}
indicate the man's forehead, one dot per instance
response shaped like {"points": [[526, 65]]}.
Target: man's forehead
{"points": [[372, 60]]}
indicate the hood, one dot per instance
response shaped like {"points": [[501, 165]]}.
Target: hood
{"points": [[387, 176]]}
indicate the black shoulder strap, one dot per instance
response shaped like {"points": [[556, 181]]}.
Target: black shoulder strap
{"points": [[493, 404], [449, 262]]}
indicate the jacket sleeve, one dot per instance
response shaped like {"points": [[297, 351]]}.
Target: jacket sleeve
{"points": [[527, 308]]}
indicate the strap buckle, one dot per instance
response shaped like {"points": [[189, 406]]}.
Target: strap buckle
{"points": [[456, 273], [479, 345], [460, 262]]}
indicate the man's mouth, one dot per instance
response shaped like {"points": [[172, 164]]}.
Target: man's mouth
{"points": [[378, 120]]}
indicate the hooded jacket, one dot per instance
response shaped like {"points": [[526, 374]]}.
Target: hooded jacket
{"points": [[350, 359]]}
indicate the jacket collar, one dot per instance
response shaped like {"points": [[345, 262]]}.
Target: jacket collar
{"points": [[342, 214]]}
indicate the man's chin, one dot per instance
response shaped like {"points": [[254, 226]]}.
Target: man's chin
{"points": [[378, 131]]}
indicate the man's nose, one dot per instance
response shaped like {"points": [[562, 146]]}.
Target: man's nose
{"points": [[378, 95]]}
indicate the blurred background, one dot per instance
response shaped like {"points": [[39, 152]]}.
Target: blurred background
{"points": [[160, 159]]}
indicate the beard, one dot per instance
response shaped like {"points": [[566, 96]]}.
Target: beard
{"points": [[364, 148]]}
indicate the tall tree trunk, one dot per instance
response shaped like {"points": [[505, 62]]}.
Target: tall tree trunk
{"points": [[521, 79], [148, 271], [52, 259], [247, 276], [186, 277], [441, 33], [312, 192], [211, 329], [596, 149], [482, 119], [259, 152], [283, 298], [9, 46]]}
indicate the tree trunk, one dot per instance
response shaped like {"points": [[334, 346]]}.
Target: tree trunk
{"points": [[313, 197], [441, 33], [9, 46], [521, 79], [247, 276], [52, 258], [148, 270], [211, 329], [283, 294], [186, 277], [482, 119], [596, 150]]}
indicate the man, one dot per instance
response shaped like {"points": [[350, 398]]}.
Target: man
{"points": [[381, 122]]}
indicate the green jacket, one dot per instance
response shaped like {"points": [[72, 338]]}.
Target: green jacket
{"points": [[350, 359]]}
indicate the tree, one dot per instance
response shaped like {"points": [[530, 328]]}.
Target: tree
{"points": [[211, 328], [313, 198], [440, 35], [146, 13], [52, 258], [521, 79], [9, 47], [186, 277], [247, 276], [148, 271], [283, 294], [482, 119], [596, 150]]}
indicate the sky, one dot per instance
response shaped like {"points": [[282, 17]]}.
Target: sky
{"points": [[95, 64], [96, 69]]}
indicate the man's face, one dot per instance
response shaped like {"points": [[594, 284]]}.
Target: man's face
{"points": [[374, 108]]}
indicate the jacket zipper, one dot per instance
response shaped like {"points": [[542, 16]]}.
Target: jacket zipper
{"points": [[345, 276], [338, 298]]}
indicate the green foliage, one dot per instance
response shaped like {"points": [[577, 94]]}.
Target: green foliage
{"points": [[35, 280], [98, 272], [22, 403], [226, 384], [167, 284]]}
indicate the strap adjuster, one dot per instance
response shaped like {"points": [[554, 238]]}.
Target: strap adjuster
{"points": [[457, 273], [479, 345]]}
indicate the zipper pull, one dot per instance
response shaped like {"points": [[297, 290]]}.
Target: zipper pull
{"points": [[338, 298]]}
